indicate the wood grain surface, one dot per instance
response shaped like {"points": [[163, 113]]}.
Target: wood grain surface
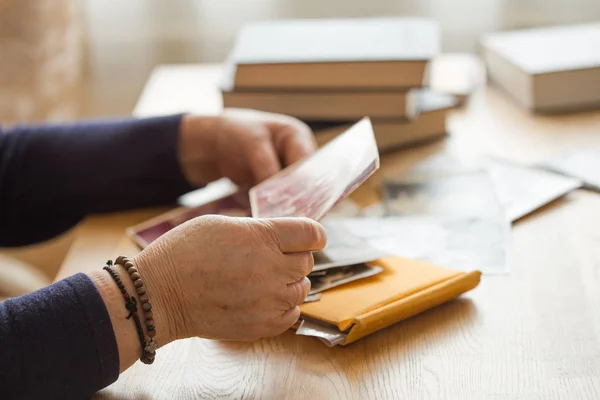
{"points": [[533, 334]]}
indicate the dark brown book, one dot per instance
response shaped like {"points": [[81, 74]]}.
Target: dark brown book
{"points": [[329, 54], [429, 124], [332, 106]]}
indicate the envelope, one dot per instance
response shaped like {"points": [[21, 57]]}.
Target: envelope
{"points": [[403, 289]]}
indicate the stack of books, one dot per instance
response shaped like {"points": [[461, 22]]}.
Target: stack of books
{"points": [[330, 73], [547, 70]]}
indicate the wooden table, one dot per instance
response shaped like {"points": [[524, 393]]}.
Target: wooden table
{"points": [[531, 335]]}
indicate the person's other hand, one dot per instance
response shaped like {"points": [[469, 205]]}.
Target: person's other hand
{"points": [[230, 278], [244, 145]]}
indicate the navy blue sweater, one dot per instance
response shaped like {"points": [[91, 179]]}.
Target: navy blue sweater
{"points": [[58, 342]]}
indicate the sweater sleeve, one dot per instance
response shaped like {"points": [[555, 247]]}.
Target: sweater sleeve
{"points": [[57, 343], [51, 176]]}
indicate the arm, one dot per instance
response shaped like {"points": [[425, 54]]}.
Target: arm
{"points": [[52, 176], [72, 339], [61, 339]]}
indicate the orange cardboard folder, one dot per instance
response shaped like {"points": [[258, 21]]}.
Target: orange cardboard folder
{"points": [[404, 288]]}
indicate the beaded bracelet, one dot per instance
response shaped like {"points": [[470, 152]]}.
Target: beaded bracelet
{"points": [[150, 346], [131, 306]]}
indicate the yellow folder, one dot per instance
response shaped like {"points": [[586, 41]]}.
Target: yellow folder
{"points": [[404, 288]]}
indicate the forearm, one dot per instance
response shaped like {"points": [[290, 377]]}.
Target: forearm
{"points": [[73, 338], [128, 341], [52, 176]]}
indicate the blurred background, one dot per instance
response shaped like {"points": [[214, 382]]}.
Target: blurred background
{"points": [[66, 59]]}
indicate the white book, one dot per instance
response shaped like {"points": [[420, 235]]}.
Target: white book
{"points": [[351, 53], [552, 69]]}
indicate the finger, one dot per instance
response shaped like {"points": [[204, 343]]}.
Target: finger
{"points": [[263, 160], [297, 265], [298, 291], [289, 318], [281, 324], [277, 325], [293, 140], [298, 234]]}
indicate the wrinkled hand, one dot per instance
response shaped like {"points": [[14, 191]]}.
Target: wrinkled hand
{"points": [[244, 145], [230, 278]]}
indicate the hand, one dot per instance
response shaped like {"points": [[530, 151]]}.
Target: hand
{"points": [[230, 278], [243, 145]]}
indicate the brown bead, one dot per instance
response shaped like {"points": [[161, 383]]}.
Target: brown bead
{"points": [[147, 306], [135, 275], [151, 346], [144, 298], [152, 333], [132, 270], [151, 354], [120, 260], [141, 290], [150, 321], [148, 360], [148, 315], [138, 283], [128, 264]]}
